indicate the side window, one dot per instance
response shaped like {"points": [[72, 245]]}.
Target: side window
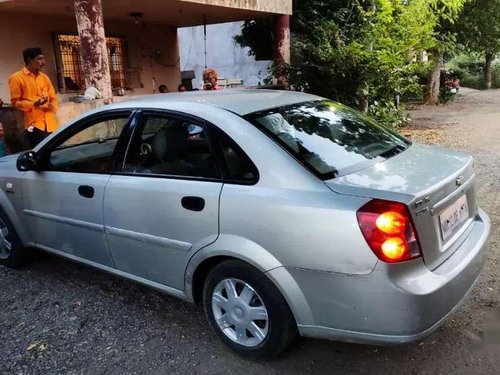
{"points": [[240, 168], [91, 149], [171, 146]]}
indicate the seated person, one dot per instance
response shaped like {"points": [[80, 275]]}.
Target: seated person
{"points": [[70, 84]]}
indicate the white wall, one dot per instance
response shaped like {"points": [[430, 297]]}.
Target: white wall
{"points": [[223, 54]]}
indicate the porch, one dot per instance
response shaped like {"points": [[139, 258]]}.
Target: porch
{"points": [[142, 41]]}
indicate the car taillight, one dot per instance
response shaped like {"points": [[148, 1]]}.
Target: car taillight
{"points": [[389, 230]]}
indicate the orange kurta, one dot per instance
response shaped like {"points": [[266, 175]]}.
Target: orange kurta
{"points": [[25, 90]]}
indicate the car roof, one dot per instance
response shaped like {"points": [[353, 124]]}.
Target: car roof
{"points": [[239, 101]]}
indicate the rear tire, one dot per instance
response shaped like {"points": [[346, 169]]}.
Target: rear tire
{"points": [[247, 311], [12, 251]]}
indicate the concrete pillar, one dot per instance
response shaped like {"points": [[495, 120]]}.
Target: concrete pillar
{"points": [[90, 23], [282, 39]]}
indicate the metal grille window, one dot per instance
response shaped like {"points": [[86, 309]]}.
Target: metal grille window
{"points": [[71, 70]]}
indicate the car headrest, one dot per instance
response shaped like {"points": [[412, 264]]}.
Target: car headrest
{"points": [[170, 143]]}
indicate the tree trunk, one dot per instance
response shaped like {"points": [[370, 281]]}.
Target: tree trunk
{"points": [[93, 48], [282, 39], [434, 81], [364, 98], [488, 70]]}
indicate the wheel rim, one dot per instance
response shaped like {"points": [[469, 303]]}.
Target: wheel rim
{"points": [[240, 313], [5, 245]]}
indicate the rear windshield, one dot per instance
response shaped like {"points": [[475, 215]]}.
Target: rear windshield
{"points": [[328, 138]]}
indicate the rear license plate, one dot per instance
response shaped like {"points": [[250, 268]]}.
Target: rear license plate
{"points": [[453, 217]]}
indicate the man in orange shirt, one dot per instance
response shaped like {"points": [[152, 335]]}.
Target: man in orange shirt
{"points": [[32, 93]]}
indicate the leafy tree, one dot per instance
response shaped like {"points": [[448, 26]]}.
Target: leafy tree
{"points": [[444, 14], [259, 36], [479, 32], [359, 52]]}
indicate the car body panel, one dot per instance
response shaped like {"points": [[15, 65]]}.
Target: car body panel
{"points": [[149, 233], [11, 195], [416, 304], [60, 218], [427, 179], [301, 228], [404, 176]]}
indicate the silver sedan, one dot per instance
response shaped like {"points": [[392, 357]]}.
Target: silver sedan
{"points": [[281, 213]]}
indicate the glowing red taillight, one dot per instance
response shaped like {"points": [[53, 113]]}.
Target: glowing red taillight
{"points": [[389, 230]]}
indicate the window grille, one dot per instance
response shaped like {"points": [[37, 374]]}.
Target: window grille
{"points": [[71, 62]]}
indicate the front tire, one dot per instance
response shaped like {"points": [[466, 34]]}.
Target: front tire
{"points": [[12, 251], [247, 311]]}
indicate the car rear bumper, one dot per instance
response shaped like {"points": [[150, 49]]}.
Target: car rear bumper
{"points": [[396, 303]]}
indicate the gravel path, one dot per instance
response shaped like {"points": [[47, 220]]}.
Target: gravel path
{"points": [[57, 317]]}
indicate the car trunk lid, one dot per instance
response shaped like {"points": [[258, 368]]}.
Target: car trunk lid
{"points": [[437, 185]]}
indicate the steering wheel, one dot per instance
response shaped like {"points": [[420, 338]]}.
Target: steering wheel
{"points": [[146, 149]]}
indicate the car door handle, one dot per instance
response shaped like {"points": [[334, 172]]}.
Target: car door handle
{"points": [[86, 191], [193, 203]]}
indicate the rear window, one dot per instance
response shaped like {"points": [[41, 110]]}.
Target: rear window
{"points": [[328, 138]]}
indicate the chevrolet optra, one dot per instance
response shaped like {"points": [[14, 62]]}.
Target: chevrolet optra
{"points": [[281, 213]]}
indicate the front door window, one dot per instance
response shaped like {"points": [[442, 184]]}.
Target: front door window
{"points": [[171, 147], [91, 149]]}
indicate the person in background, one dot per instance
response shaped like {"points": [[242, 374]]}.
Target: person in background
{"points": [[3, 148], [162, 89], [181, 88], [32, 93], [210, 77]]}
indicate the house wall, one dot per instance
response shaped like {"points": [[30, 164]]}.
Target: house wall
{"points": [[223, 54], [153, 52]]}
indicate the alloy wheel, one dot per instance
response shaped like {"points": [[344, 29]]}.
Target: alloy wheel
{"points": [[240, 312], [5, 244]]}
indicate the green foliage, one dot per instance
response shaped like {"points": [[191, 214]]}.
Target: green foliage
{"points": [[479, 30], [360, 52], [259, 37], [470, 70], [496, 76], [386, 113], [445, 95]]}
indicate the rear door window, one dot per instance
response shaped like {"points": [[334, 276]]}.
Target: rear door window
{"points": [[328, 138]]}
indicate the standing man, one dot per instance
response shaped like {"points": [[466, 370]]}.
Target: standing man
{"points": [[32, 93]]}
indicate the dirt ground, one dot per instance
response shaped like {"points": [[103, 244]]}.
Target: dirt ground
{"points": [[57, 317]]}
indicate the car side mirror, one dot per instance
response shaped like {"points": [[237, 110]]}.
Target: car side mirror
{"points": [[28, 161]]}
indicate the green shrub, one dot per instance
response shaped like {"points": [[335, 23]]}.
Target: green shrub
{"points": [[469, 70], [496, 76], [474, 82], [387, 114], [445, 95]]}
